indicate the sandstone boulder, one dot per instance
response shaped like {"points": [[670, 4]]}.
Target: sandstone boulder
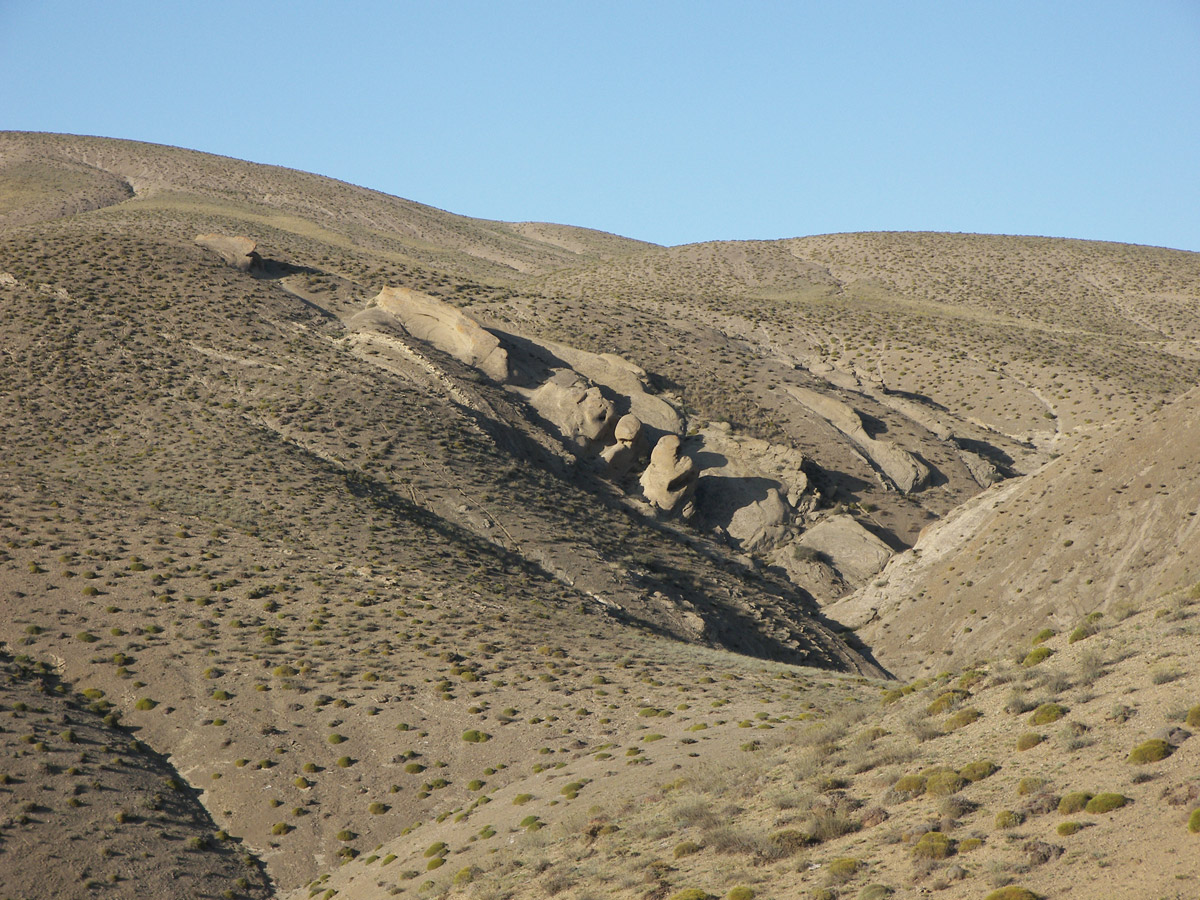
{"points": [[447, 328], [630, 445], [670, 480], [238, 251], [576, 407], [852, 550]]}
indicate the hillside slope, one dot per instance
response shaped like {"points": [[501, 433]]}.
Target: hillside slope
{"points": [[368, 521]]}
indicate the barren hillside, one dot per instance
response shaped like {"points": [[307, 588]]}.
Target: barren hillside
{"points": [[359, 523]]}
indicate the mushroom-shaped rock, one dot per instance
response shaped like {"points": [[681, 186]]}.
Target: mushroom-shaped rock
{"points": [[629, 447], [447, 328], [235, 251], [576, 407], [670, 479]]}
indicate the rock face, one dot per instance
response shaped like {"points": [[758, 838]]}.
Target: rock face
{"points": [[753, 491], [630, 446], [899, 466], [852, 550], [670, 479], [235, 251], [576, 407], [447, 328]]}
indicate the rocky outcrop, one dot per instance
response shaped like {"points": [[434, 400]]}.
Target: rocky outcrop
{"points": [[447, 328], [576, 408], [754, 492], [238, 251], [900, 467], [629, 447], [670, 480], [847, 546]]}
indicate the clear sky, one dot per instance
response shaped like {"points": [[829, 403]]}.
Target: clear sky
{"points": [[671, 122]]}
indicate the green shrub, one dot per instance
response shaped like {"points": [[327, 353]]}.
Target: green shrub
{"points": [[438, 849], [1042, 636], [944, 782], [346, 835], [1006, 818], [961, 718], [966, 845], [145, 704], [1083, 631], [1029, 740], [1012, 892], [336, 738], [875, 892], [947, 701], [1103, 803], [741, 892], [978, 770], [281, 828], [691, 894], [1036, 655], [466, 875], [1153, 750], [522, 799], [1030, 785], [842, 869], [1194, 821], [1047, 713], [910, 784], [377, 809], [933, 845], [474, 736], [1066, 829], [436, 863], [1074, 802], [686, 848]]}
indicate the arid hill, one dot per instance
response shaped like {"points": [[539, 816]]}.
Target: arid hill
{"points": [[369, 549]]}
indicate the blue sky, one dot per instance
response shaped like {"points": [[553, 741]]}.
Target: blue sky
{"points": [[671, 122]]}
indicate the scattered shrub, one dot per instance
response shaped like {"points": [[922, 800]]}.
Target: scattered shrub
{"points": [[145, 704], [842, 869], [1153, 750], [933, 845], [691, 894], [978, 770], [1036, 655], [961, 718], [1103, 803], [686, 848], [1012, 892], [1006, 818], [1030, 785], [1194, 821], [944, 782], [913, 785], [1042, 636], [1074, 802], [946, 702], [1066, 829], [741, 892], [1047, 713], [1029, 740], [474, 736]]}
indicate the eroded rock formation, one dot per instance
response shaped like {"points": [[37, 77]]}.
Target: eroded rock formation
{"points": [[447, 328], [237, 251], [670, 480]]}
